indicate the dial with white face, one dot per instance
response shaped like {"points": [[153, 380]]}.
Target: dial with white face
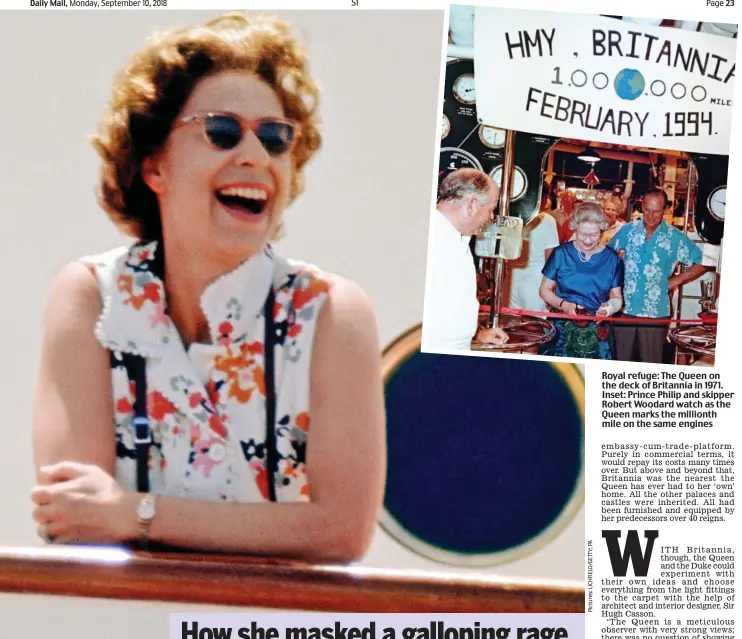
{"points": [[464, 90], [452, 158], [717, 202], [146, 508], [445, 126], [520, 181], [492, 136]]}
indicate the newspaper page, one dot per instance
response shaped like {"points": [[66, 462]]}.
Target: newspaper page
{"points": [[532, 196]]}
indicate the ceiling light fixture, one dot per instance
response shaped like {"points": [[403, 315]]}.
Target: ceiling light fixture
{"points": [[589, 155]]}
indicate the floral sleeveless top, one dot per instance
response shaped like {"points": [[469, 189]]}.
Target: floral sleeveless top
{"points": [[208, 425]]}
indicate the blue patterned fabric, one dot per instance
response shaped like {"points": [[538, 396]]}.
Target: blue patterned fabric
{"points": [[648, 264]]}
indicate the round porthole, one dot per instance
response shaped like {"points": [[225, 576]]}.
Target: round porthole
{"points": [[485, 455]]}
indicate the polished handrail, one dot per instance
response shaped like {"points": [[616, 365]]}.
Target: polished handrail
{"points": [[272, 583]]}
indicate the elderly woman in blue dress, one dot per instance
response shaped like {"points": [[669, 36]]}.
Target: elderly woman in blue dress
{"points": [[197, 390], [583, 277]]}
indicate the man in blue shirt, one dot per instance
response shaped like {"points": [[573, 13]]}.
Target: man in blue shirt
{"points": [[652, 248]]}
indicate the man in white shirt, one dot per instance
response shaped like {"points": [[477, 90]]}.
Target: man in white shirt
{"points": [[466, 202]]}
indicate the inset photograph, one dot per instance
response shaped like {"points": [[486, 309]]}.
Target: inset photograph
{"points": [[581, 187]]}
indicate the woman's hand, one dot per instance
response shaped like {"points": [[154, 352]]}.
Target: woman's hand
{"points": [[610, 307], [604, 310], [570, 308], [81, 503]]}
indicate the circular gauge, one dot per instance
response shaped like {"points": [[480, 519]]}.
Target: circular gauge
{"points": [[492, 137], [716, 202], [455, 490], [520, 181], [711, 172], [452, 158], [464, 90], [458, 102], [445, 126]]}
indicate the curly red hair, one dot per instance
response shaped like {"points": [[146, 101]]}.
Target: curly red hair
{"points": [[150, 92]]}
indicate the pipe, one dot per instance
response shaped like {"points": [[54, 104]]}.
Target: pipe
{"points": [[629, 182], [505, 191], [686, 219]]}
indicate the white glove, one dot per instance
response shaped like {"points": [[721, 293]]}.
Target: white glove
{"points": [[613, 305]]}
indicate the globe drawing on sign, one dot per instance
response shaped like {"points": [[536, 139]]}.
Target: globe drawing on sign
{"points": [[629, 84]]}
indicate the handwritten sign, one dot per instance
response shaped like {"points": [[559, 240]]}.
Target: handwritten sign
{"points": [[604, 80]]}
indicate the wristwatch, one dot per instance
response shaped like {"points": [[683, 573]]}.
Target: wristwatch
{"points": [[146, 511]]}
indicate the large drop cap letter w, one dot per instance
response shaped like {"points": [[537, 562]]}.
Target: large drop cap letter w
{"points": [[632, 551]]}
